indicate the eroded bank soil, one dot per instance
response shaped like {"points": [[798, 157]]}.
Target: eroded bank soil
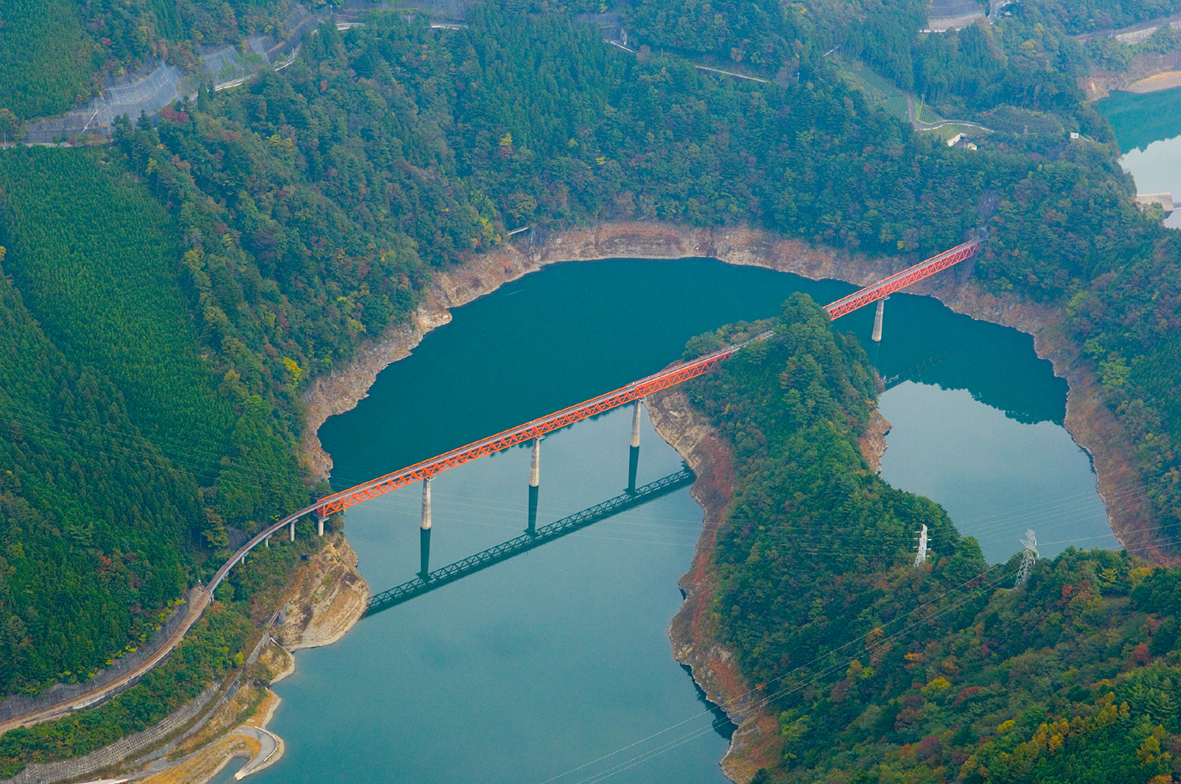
{"points": [[755, 743], [1088, 419], [327, 601]]}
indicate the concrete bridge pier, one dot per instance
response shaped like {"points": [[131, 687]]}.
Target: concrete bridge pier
{"points": [[426, 504], [424, 532], [633, 458], [320, 517], [293, 530], [876, 337], [535, 464]]}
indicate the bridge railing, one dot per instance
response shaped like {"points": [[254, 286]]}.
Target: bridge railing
{"points": [[900, 280], [538, 427], [530, 430]]}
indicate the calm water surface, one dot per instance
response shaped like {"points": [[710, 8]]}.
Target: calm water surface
{"points": [[1148, 128], [555, 666]]}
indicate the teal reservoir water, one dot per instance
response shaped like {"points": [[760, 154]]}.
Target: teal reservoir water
{"points": [[1148, 128], [555, 665]]}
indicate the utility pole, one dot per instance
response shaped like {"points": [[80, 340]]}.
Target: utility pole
{"points": [[1028, 556], [921, 558]]}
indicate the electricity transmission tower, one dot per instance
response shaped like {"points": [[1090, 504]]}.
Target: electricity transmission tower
{"points": [[921, 558], [1028, 556]]}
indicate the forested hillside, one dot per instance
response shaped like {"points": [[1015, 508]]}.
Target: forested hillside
{"points": [[181, 287], [881, 671], [53, 53], [1011, 72], [413, 146], [47, 61], [310, 206], [122, 460]]}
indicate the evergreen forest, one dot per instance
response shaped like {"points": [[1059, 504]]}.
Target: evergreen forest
{"points": [[168, 297], [883, 671]]}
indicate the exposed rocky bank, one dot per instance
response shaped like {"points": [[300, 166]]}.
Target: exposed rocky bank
{"points": [[1088, 419], [328, 599], [755, 744]]}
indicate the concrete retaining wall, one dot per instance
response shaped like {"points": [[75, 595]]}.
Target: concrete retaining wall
{"points": [[51, 772]]}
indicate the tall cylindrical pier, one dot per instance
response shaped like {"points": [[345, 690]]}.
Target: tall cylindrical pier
{"points": [[877, 321], [636, 426], [535, 465], [426, 504], [293, 530]]}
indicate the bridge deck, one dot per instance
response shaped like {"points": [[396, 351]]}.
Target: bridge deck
{"points": [[528, 431], [900, 280], [506, 550]]}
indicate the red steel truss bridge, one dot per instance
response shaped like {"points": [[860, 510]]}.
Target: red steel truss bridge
{"points": [[900, 280], [636, 390], [531, 430]]}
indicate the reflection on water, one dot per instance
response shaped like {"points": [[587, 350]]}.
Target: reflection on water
{"points": [[1140, 120], [557, 661], [525, 671], [1022, 475], [427, 580], [1148, 129], [721, 723], [924, 342]]}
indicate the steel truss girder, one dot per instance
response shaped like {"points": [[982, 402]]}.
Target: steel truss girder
{"points": [[505, 550], [536, 428], [900, 280]]}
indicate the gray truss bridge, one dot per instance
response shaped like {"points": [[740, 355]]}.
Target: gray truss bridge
{"points": [[506, 550]]}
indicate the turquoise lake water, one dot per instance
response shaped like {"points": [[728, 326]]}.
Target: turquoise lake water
{"points": [[1148, 128], [555, 666]]}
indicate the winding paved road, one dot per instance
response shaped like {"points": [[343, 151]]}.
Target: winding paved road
{"points": [[197, 604]]}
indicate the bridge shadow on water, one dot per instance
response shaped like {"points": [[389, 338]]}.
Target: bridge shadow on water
{"points": [[429, 581]]}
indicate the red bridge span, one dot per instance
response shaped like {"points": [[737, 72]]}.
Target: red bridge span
{"points": [[529, 431], [537, 428]]}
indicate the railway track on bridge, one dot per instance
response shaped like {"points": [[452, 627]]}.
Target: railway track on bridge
{"points": [[534, 429]]}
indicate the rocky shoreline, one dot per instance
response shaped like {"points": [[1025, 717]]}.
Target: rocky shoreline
{"points": [[325, 600], [755, 743], [1088, 420]]}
